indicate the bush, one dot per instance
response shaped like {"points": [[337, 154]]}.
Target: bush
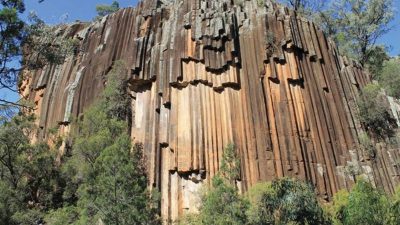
{"points": [[221, 204], [285, 201], [366, 205], [394, 210], [366, 145], [390, 77], [374, 113]]}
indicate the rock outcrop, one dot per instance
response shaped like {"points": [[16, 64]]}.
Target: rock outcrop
{"points": [[207, 73]]}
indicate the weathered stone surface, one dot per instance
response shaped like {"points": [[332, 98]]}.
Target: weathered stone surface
{"points": [[206, 73]]}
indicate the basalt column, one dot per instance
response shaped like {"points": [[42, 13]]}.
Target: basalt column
{"points": [[206, 73]]}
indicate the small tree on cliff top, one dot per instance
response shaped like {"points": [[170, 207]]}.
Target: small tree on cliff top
{"points": [[357, 25], [104, 10]]}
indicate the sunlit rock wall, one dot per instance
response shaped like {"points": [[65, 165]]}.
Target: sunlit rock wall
{"points": [[206, 73]]}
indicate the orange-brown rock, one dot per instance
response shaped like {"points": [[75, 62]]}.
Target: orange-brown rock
{"points": [[207, 73]]}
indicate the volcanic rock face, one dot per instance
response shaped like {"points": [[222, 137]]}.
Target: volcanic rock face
{"points": [[207, 73]]}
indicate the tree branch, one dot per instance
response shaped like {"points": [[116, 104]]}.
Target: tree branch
{"points": [[4, 102]]}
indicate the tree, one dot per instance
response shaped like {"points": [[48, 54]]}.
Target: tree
{"points": [[284, 201], [104, 10], [230, 164], [29, 179], [357, 25], [377, 56], [366, 205], [390, 77], [106, 176], [374, 113], [221, 204], [17, 38], [336, 210], [117, 192], [305, 7], [394, 209], [11, 37]]}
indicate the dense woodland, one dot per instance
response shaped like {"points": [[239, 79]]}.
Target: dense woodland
{"points": [[101, 178]]}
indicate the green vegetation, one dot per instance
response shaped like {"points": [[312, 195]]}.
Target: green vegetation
{"points": [[354, 25], [106, 176], [18, 37], [359, 24], [29, 180], [364, 205], [374, 112], [376, 61], [390, 77], [284, 201], [289, 201], [104, 10], [101, 178], [221, 204], [367, 146]]}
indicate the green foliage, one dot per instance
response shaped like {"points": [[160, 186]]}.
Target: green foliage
{"points": [[366, 205], [377, 56], [29, 180], [61, 216], [103, 10], [190, 219], [116, 99], [356, 26], [366, 145], [390, 77], [336, 210], [222, 205], [284, 201], [305, 7], [374, 113], [116, 190], [45, 44], [230, 164], [257, 212], [11, 36], [394, 209], [105, 174], [18, 38]]}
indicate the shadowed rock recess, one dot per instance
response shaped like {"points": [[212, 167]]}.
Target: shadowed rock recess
{"points": [[207, 73]]}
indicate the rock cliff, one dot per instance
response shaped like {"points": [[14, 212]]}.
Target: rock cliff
{"points": [[207, 73]]}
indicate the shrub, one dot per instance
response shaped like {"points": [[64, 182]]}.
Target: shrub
{"points": [[285, 201], [374, 113], [366, 205], [390, 77]]}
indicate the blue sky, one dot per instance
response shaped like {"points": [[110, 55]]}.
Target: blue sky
{"points": [[56, 11]]}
